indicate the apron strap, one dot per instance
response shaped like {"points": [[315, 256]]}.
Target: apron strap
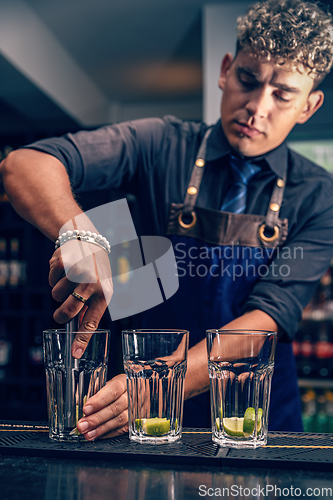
{"points": [[196, 176], [269, 231]]}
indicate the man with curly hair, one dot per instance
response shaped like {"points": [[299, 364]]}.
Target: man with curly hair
{"points": [[263, 249]]}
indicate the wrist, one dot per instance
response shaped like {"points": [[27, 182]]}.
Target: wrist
{"points": [[85, 236]]}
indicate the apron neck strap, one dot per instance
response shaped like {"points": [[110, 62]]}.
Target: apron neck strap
{"points": [[272, 215], [197, 173], [273, 212]]}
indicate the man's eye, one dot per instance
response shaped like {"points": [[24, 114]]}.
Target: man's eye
{"points": [[247, 84], [282, 98]]}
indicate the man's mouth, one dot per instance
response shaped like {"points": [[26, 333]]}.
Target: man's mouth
{"points": [[244, 129]]}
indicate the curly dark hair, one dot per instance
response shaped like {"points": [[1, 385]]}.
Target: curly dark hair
{"points": [[291, 32]]}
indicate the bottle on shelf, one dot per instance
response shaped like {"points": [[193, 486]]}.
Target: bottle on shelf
{"points": [[296, 346], [5, 350], [329, 410], [4, 268], [323, 350], [309, 410], [307, 362], [35, 351], [317, 410], [321, 415], [17, 266]]}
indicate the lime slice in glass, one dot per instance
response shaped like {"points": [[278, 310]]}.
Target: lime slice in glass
{"points": [[138, 424], [233, 426], [249, 421], [153, 426], [259, 420]]}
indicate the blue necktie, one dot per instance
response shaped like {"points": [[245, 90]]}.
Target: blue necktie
{"points": [[243, 171]]}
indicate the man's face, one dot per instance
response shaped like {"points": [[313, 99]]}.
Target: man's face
{"points": [[262, 102]]}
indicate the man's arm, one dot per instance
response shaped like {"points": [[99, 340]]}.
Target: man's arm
{"points": [[38, 188], [196, 380]]}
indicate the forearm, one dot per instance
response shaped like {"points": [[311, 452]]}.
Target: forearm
{"points": [[38, 188], [197, 380]]}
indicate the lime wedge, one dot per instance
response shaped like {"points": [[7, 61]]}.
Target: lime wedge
{"points": [[233, 426], [153, 426], [249, 421], [217, 423], [75, 431], [259, 420], [137, 423]]}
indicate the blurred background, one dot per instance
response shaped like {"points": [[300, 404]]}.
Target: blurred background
{"points": [[67, 65], [84, 63]]}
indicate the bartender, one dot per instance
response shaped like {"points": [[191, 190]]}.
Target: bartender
{"points": [[251, 221]]}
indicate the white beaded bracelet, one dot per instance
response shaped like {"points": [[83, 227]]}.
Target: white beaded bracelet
{"points": [[87, 236]]}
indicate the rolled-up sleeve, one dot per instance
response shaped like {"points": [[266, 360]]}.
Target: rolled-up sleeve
{"points": [[107, 157]]}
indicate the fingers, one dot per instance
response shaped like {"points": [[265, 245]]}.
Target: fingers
{"points": [[106, 413], [62, 289], [112, 390], [89, 277], [90, 312], [90, 315], [110, 421], [71, 305]]}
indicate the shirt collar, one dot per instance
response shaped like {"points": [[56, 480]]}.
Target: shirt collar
{"points": [[218, 146]]}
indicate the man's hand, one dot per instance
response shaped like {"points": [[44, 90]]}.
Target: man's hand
{"points": [[84, 268], [106, 413]]}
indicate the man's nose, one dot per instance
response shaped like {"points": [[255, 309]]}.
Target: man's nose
{"points": [[259, 103]]}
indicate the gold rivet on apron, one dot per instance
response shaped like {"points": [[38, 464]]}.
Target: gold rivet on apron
{"points": [[200, 162], [280, 183], [192, 190], [275, 207]]}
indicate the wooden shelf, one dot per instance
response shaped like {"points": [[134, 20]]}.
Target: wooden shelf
{"points": [[316, 383]]}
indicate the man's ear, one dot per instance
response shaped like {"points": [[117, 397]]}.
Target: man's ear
{"points": [[314, 102], [225, 66]]}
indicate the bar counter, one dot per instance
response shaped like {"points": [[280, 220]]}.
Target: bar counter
{"points": [[34, 467]]}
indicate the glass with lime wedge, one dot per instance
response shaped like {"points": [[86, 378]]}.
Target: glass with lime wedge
{"points": [[155, 364], [240, 367]]}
